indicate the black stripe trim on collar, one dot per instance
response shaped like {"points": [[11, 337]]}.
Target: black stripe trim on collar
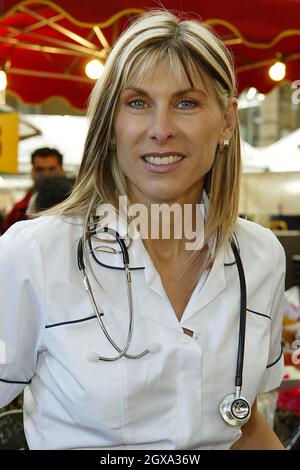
{"points": [[21, 382], [257, 313], [230, 264], [72, 321], [273, 363]]}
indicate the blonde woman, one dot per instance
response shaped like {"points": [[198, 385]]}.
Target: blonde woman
{"points": [[129, 329]]}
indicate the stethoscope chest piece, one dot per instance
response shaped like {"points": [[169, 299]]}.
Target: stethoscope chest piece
{"points": [[235, 411]]}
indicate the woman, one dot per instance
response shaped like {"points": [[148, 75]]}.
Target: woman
{"points": [[163, 134]]}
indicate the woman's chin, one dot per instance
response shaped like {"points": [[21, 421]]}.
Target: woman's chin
{"points": [[163, 197]]}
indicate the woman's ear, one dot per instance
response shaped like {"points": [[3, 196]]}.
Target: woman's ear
{"points": [[229, 122]]}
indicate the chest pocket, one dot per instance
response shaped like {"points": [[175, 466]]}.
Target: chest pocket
{"points": [[257, 344], [91, 392]]}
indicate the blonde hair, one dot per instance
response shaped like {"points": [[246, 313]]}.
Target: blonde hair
{"points": [[189, 46]]}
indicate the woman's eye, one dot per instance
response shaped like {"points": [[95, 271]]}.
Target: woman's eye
{"points": [[137, 104], [187, 104]]}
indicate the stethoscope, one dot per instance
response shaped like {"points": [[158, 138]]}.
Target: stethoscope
{"points": [[235, 409]]}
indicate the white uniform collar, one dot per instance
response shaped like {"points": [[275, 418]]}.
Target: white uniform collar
{"points": [[120, 224], [139, 257]]}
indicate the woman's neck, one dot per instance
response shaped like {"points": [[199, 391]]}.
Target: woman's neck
{"points": [[171, 232], [170, 228]]}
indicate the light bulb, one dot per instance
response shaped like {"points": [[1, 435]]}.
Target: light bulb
{"points": [[3, 80], [94, 69], [277, 71]]}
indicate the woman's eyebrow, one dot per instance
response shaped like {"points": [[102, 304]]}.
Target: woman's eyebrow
{"points": [[138, 91], [142, 92]]}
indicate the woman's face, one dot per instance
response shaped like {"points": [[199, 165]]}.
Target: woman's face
{"points": [[166, 136]]}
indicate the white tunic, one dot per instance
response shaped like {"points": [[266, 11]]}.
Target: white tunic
{"points": [[166, 400]]}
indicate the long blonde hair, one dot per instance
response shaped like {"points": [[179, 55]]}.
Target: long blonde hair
{"points": [[189, 46]]}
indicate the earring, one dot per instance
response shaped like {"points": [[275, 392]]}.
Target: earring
{"points": [[225, 145]]}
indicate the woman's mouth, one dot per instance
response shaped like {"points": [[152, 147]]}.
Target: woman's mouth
{"points": [[163, 163]]}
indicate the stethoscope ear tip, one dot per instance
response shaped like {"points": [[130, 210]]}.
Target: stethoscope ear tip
{"points": [[92, 356]]}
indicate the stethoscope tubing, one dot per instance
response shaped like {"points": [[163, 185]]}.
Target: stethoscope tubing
{"points": [[81, 266], [243, 316], [127, 269], [100, 263], [230, 401]]}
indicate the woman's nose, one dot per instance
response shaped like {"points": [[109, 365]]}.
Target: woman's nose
{"points": [[162, 127]]}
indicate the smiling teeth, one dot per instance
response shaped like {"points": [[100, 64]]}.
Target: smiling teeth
{"points": [[163, 160]]}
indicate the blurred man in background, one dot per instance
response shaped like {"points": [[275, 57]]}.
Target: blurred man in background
{"points": [[49, 191], [46, 162]]}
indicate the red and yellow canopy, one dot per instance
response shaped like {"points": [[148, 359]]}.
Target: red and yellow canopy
{"points": [[45, 45]]}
